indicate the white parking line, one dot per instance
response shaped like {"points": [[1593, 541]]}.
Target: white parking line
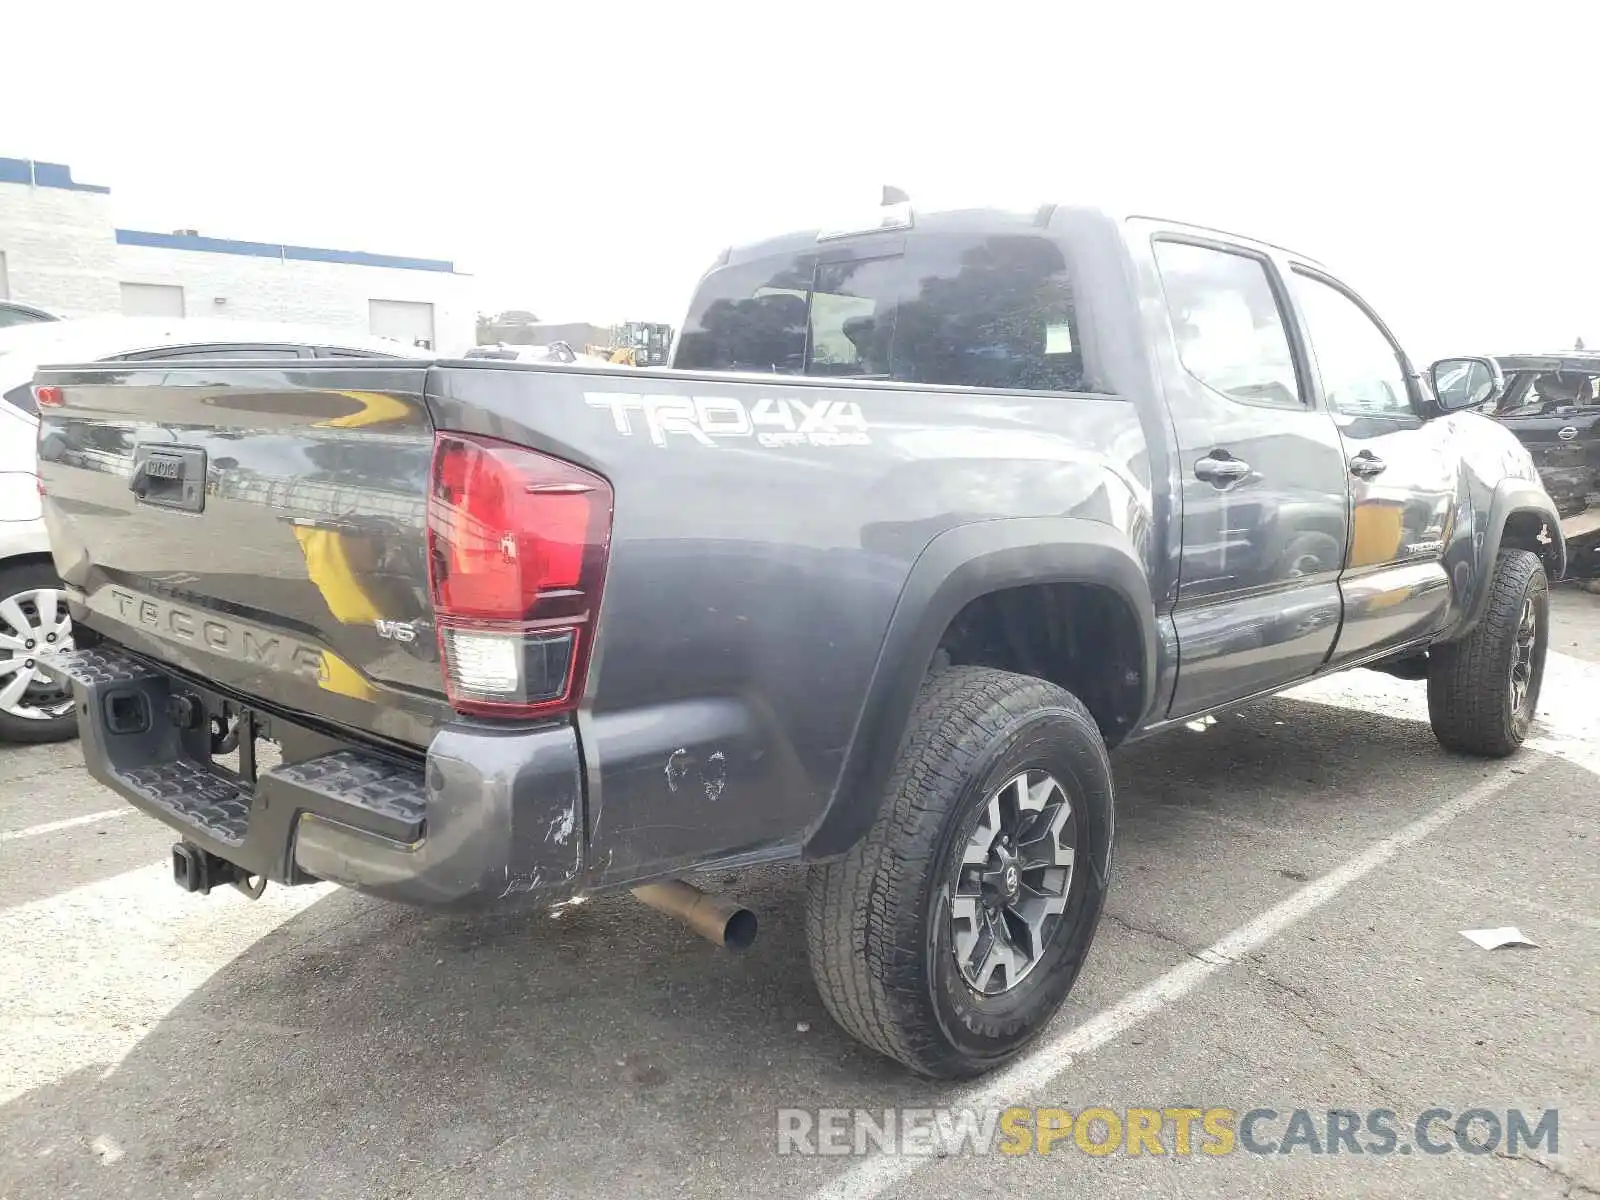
{"points": [[876, 1175], [12, 835], [86, 973]]}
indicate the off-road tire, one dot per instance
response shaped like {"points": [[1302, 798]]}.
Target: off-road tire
{"points": [[16, 578], [1469, 694], [878, 933]]}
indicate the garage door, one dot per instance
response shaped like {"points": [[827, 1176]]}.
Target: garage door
{"points": [[152, 300], [407, 321]]}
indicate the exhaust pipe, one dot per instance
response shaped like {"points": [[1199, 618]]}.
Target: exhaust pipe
{"points": [[715, 918]]}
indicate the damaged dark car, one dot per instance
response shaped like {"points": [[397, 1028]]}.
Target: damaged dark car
{"points": [[1552, 403]]}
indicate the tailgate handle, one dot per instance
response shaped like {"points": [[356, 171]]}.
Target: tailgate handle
{"points": [[169, 477]]}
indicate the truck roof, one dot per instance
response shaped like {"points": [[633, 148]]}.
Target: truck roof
{"points": [[962, 220], [974, 220]]}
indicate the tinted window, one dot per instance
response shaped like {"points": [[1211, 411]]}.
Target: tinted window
{"points": [[227, 353], [19, 316], [1227, 323], [21, 397], [852, 318], [749, 317], [951, 310], [1359, 365]]}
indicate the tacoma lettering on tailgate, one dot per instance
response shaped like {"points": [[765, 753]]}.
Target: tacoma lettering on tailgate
{"points": [[234, 639]]}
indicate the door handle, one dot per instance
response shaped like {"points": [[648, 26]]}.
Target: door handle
{"points": [[1366, 465], [1221, 470]]}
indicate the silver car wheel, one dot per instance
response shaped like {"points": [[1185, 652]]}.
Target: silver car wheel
{"points": [[33, 623]]}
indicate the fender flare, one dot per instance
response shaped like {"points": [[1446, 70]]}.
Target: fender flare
{"points": [[957, 567], [1512, 497]]}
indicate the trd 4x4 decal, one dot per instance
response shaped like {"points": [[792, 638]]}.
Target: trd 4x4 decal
{"points": [[772, 422]]}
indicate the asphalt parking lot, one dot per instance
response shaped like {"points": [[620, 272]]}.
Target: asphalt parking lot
{"points": [[1283, 932]]}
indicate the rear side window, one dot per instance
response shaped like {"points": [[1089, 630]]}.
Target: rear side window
{"points": [[1227, 323], [21, 397], [992, 312]]}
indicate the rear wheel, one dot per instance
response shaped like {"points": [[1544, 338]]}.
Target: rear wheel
{"points": [[952, 932], [35, 706], [1483, 690]]}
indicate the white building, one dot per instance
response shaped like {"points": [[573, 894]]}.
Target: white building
{"points": [[60, 250]]}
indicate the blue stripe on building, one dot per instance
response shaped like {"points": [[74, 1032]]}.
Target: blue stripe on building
{"points": [[210, 245], [32, 173], [44, 174]]}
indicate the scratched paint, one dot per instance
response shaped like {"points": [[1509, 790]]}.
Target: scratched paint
{"points": [[716, 776], [561, 828], [677, 768]]}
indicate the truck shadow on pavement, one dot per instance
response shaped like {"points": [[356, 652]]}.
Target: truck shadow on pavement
{"points": [[366, 1049]]}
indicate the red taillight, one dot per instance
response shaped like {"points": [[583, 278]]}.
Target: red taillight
{"points": [[517, 545], [48, 396]]}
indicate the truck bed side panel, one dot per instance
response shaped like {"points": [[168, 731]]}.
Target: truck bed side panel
{"points": [[763, 533]]}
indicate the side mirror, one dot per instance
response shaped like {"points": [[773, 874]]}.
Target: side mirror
{"points": [[1463, 383]]}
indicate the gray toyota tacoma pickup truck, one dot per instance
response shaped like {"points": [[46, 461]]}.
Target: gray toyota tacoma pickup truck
{"points": [[928, 516]]}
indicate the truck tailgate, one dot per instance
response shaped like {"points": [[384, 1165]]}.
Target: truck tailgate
{"points": [[262, 527]]}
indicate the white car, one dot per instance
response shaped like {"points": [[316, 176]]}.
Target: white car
{"points": [[555, 352], [13, 313], [34, 705]]}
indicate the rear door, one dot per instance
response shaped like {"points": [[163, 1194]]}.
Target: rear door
{"points": [[260, 526], [1402, 469], [1264, 488]]}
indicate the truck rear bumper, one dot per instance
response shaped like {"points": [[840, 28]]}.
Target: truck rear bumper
{"points": [[487, 816]]}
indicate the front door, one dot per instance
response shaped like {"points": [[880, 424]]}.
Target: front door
{"points": [[1264, 490], [1403, 474]]}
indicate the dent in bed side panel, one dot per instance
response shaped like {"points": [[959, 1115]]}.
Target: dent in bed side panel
{"points": [[750, 585]]}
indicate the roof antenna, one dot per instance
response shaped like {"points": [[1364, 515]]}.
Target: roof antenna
{"points": [[893, 195]]}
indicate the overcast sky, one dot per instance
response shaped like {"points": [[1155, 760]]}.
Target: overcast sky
{"points": [[589, 163]]}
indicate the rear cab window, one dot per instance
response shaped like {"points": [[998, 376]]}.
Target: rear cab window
{"points": [[986, 310]]}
